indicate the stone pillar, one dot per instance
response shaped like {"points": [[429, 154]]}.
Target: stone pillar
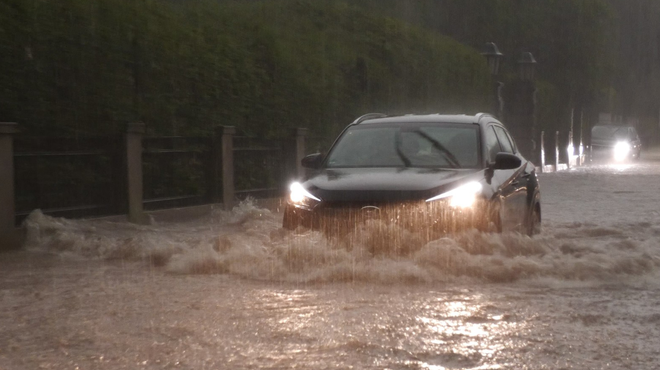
{"points": [[570, 146], [570, 150], [300, 134], [227, 145], [9, 235], [498, 106], [542, 151], [520, 119], [557, 151], [581, 147], [133, 137]]}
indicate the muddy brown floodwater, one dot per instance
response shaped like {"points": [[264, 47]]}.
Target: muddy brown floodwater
{"points": [[232, 290]]}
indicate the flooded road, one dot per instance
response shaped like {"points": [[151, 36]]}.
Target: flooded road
{"points": [[232, 290]]}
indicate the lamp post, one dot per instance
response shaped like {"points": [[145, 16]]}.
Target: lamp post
{"points": [[519, 112], [520, 95], [493, 57], [527, 66]]}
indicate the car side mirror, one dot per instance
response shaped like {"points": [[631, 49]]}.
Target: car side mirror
{"points": [[506, 161], [313, 161]]}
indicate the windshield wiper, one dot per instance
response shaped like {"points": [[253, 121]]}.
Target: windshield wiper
{"points": [[399, 152], [449, 156]]}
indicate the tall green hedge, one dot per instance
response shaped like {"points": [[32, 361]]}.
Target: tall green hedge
{"points": [[185, 67]]}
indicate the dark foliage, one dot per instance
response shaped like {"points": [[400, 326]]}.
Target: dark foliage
{"points": [[75, 67]]}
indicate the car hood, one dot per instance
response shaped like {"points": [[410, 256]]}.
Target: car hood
{"points": [[386, 184]]}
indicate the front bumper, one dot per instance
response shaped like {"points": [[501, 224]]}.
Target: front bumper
{"points": [[608, 153]]}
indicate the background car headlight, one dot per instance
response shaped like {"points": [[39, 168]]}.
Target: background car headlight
{"points": [[463, 196], [621, 150], [300, 196]]}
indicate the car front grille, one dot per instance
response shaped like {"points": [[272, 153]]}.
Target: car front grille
{"points": [[418, 215]]}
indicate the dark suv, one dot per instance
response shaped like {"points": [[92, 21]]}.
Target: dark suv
{"points": [[612, 142], [437, 173]]}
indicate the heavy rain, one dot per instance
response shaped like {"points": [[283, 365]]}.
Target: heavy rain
{"points": [[147, 148]]}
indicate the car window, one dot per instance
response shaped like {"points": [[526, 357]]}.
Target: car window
{"points": [[362, 148], [633, 134], [492, 144], [460, 143], [505, 141], [609, 133], [407, 145], [622, 133]]}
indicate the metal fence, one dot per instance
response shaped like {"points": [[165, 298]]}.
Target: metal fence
{"points": [[260, 167], [68, 177], [92, 176], [176, 171]]}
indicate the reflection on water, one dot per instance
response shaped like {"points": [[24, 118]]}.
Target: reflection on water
{"points": [[386, 327], [464, 328], [121, 316], [621, 167]]}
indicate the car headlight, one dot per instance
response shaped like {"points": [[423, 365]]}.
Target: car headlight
{"points": [[463, 196], [621, 150], [299, 196]]}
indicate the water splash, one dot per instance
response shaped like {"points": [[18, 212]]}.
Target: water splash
{"points": [[249, 242]]}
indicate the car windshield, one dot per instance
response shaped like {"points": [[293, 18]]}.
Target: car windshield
{"points": [[610, 133], [407, 145]]}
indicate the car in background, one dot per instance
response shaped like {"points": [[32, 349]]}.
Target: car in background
{"points": [[612, 142], [430, 173]]}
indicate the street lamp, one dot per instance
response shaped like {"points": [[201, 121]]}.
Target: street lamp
{"points": [[524, 95], [493, 57], [527, 66]]}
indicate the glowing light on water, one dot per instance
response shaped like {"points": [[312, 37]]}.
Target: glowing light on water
{"points": [[463, 327], [621, 167]]}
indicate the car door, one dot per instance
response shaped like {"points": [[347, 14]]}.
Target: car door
{"points": [[510, 185]]}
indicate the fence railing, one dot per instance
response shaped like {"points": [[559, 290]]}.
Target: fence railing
{"points": [[176, 171], [260, 167], [131, 173], [50, 172], [562, 155]]}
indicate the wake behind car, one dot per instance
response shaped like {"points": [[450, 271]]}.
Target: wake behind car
{"points": [[430, 173], [612, 142]]}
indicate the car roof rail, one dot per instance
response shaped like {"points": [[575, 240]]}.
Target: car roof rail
{"points": [[481, 115], [367, 116]]}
